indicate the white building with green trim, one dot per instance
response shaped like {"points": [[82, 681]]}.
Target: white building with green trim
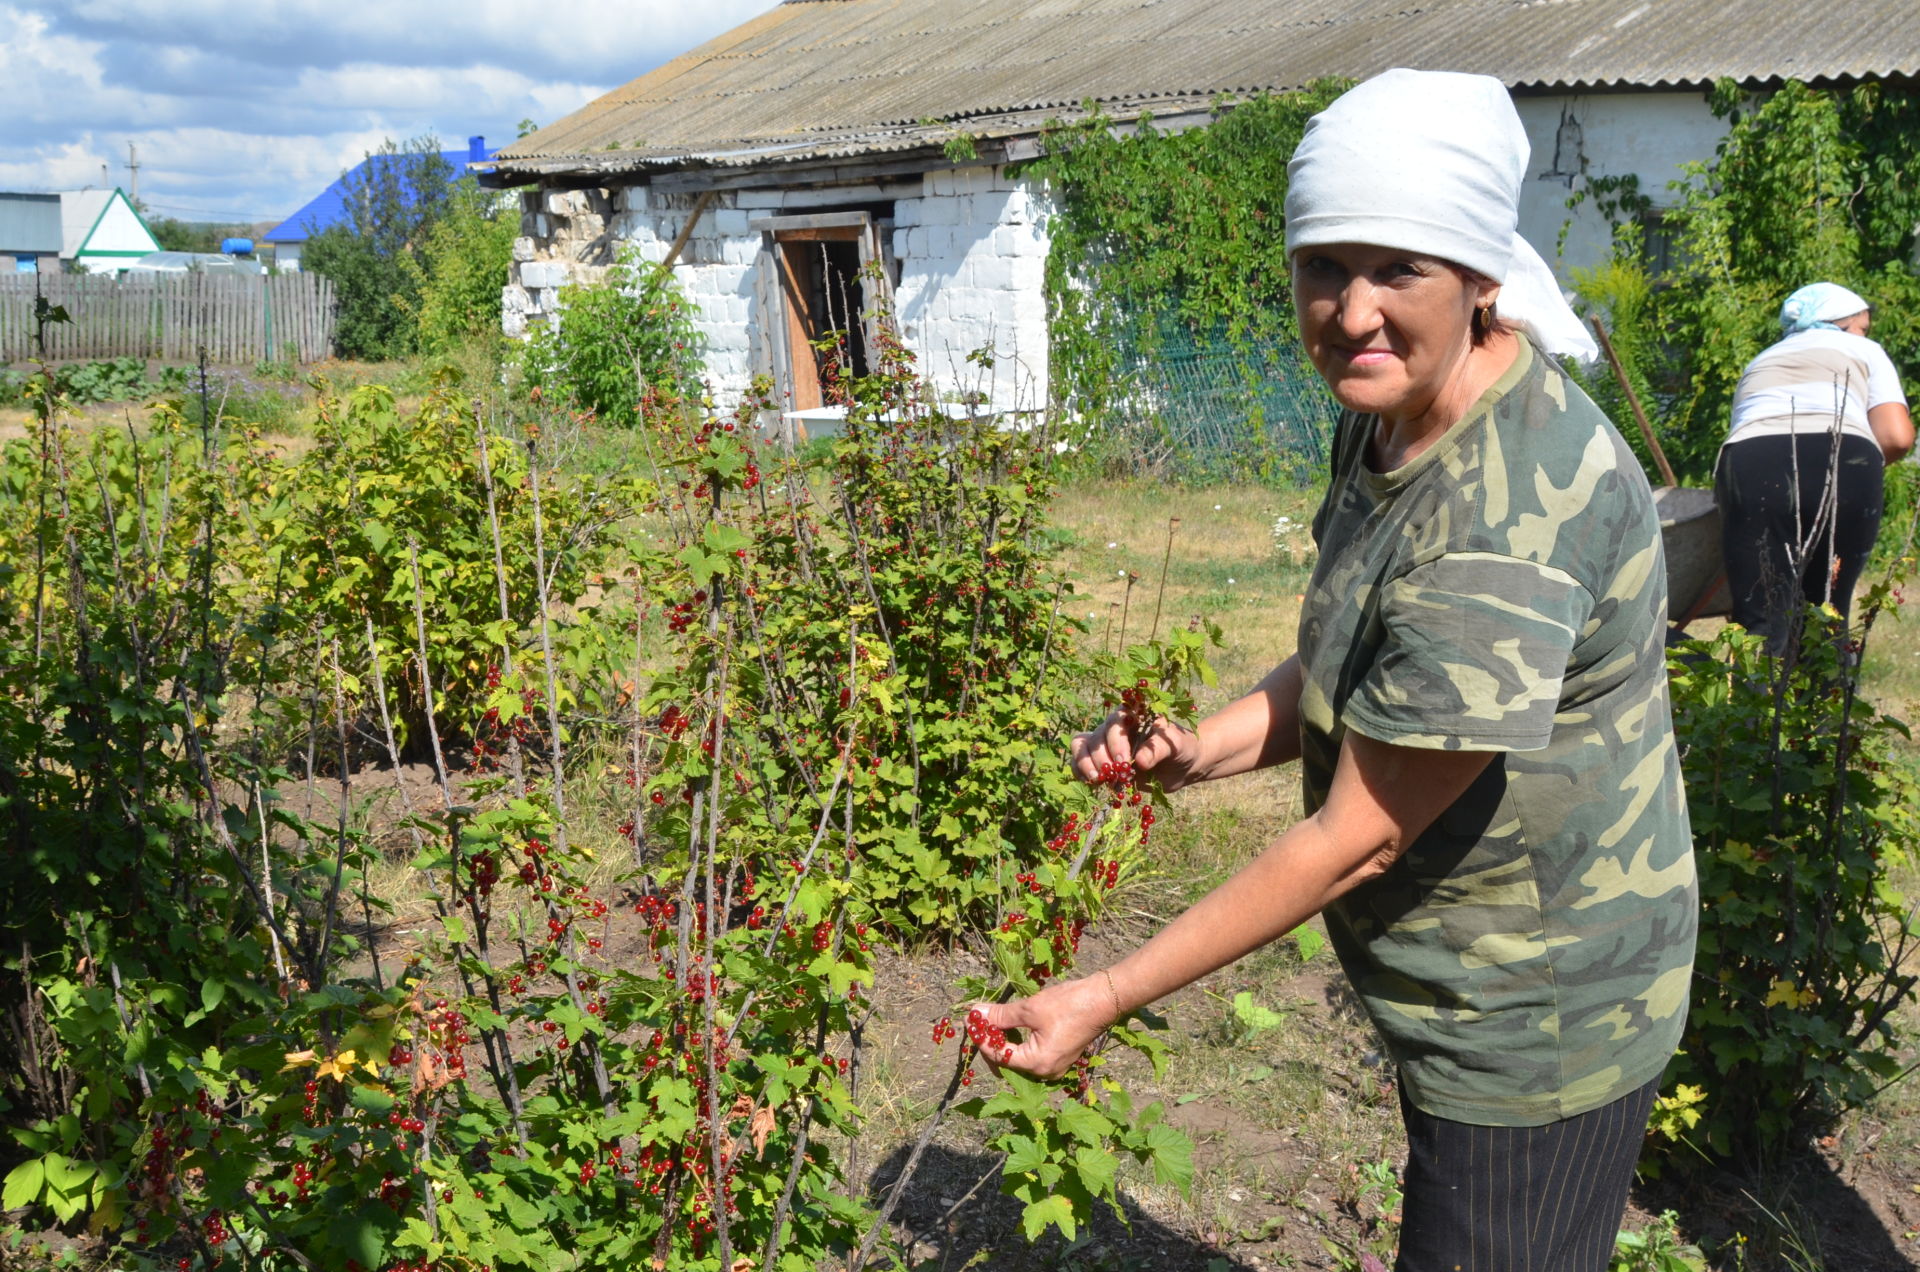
{"points": [[89, 231]]}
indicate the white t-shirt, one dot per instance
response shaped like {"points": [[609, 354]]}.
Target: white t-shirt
{"points": [[1801, 383]]}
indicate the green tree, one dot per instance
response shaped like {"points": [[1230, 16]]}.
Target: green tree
{"points": [[175, 235], [375, 258], [467, 254]]}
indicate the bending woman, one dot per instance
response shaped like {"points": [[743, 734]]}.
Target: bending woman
{"points": [[1496, 832], [1816, 418]]}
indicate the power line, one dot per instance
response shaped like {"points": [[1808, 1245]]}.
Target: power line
{"points": [[214, 212]]}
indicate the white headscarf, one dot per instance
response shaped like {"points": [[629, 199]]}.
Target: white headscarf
{"points": [[1431, 162], [1819, 305]]}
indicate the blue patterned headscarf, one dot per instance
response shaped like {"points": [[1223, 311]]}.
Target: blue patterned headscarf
{"points": [[1819, 305]]}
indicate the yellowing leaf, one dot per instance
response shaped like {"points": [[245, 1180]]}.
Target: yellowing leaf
{"points": [[1785, 992], [342, 1066]]}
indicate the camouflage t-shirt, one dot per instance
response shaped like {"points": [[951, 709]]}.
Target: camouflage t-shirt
{"points": [[1528, 958]]}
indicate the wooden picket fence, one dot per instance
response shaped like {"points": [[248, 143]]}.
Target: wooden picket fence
{"points": [[171, 317]]}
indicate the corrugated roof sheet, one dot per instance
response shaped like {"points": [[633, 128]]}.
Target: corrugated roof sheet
{"points": [[29, 223], [818, 79]]}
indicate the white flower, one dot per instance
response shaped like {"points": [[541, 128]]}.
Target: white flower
{"points": [[1113, 545], [1120, 573], [1230, 582], [1216, 507]]}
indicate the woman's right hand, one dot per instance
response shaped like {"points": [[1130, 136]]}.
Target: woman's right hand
{"points": [[1169, 752]]}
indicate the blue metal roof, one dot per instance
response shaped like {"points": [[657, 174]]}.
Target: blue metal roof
{"points": [[30, 224], [329, 207]]}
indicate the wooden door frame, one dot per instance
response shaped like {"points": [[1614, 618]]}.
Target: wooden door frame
{"points": [[787, 335]]}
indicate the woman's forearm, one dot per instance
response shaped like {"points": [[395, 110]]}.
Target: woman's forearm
{"points": [[1288, 883], [1256, 731], [1382, 798]]}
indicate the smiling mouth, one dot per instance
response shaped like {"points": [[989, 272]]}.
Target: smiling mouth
{"points": [[1369, 357]]}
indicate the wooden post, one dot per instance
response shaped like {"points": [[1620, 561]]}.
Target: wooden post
{"points": [[1633, 400]]}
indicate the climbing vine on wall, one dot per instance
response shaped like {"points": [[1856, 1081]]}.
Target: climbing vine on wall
{"points": [[1163, 234], [1808, 185]]}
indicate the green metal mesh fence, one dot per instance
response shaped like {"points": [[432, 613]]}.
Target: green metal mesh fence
{"points": [[1218, 407]]}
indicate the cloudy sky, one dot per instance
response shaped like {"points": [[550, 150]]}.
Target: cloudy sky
{"points": [[242, 110]]}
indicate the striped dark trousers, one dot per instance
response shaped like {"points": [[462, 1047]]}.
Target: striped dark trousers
{"points": [[1518, 1198]]}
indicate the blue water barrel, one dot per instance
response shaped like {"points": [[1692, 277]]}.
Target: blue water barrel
{"points": [[237, 246]]}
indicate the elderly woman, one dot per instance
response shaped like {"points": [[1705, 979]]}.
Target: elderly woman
{"points": [[1816, 418], [1495, 827]]}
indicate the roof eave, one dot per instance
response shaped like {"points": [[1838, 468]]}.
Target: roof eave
{"points": [[997, 138]]}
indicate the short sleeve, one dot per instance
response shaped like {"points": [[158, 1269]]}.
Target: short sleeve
{"points": [[1883, 380], [1473, 655]]}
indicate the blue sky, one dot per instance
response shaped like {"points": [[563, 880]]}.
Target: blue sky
{"points": [[242, 110]]}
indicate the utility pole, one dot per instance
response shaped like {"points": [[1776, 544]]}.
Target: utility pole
{"points": [[133, 166]]}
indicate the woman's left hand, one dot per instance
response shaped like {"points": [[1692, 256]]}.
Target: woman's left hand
{"points": [[1057, 1025]]}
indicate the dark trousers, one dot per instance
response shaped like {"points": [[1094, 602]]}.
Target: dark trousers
{"points": [[1765, 513], [1519, 1198]]}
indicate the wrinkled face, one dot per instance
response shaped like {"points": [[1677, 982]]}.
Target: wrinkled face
{"points": [[1386, 329]]}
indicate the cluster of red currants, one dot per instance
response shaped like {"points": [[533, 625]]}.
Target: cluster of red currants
{"points": [[157, 1167], [988, 1038], [483, 868], [680, 615], [493, 737], [447, 1030], [1133, 702], [404, 1126], [310, 1110]]}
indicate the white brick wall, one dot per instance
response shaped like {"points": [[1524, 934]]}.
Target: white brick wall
{"points": [[972, 254]]}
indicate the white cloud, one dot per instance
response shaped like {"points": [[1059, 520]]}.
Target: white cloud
{"points": [[74, 165], [598, 38], [246, 109]]}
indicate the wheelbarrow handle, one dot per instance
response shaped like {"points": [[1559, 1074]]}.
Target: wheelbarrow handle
{"points": [[1633, 400]]}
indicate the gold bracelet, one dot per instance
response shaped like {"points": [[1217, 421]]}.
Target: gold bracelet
{"points": [[1117, 1013]]}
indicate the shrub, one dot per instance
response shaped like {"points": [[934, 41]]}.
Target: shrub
{"points": [[1171, 323], [397, 522], [1799, 812], [559, 1073], [462, 269], [615, 342], [374, 257]]}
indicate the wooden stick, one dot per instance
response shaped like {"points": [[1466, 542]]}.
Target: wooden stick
{"points": [[1633, 400], [686, 231]]}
